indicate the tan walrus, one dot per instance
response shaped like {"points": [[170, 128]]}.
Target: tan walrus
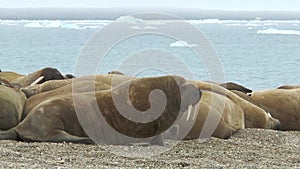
{"points": [[283, 104], [55, 120], [229, 112]]}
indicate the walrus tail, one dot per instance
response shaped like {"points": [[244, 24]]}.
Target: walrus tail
{"points": [[10, 134]]}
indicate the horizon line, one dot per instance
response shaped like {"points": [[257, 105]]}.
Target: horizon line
{"points": [[136, 8]]}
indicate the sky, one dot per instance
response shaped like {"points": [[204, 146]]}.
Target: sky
{"points": [[203, 4]]}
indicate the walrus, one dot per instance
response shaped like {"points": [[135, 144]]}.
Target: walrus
{"points": [[11, 107], [232, 86], [38, 77], [232, 112], [289, 87], [116, 72], [55, 119], [283, 104], [42, 92], [69, 76], [235, 86], [10, 76], [54, 84]]}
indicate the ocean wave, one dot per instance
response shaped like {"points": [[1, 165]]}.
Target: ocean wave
{"points": [[95, 24], [245, 23], [272, 31], [71, 24], [8, 22]]}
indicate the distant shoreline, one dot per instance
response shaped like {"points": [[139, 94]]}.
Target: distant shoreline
{"points": [[114, 13]]}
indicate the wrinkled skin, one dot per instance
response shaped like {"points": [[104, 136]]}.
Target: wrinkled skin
{"points": [[283, 104], [11, 107], [232, 112], [55, 119]]}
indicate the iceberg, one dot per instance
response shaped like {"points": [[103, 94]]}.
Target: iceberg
{"points": [[182, 43], [272, 31], [130, 20]]}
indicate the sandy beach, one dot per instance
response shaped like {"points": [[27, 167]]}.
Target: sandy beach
{"points": [[249, 148]]}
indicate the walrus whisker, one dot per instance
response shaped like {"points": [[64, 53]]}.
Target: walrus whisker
{"points": [[37, 81]]}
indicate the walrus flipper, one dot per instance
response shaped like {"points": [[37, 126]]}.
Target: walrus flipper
{"points": [[62, 136], [158, 140], [10, 134]]}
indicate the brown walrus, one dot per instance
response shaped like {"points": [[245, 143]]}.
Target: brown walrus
{"points": [[289, 87], [281, 104], [38, 77], [230, 111], [55, 120], [11, 107], [116, 72], [232, 86]]}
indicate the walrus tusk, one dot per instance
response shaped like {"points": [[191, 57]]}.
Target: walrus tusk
{"points": [[195, 112], [189, 112], [269, 114], [37, 80]]}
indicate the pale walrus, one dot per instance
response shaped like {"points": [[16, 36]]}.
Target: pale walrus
{"points": [[55, 119], [11, 107], [282, 104], [232, 112]]}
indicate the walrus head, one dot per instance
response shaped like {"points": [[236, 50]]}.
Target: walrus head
{"points": [[234, 86], [5, 83], [116, 72], [151, 105], [40, 76]]}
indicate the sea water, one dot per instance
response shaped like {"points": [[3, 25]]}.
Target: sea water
{"points": [[257, 54]]}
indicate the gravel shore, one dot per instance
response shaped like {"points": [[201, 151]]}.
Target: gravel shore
{"points": [[249, 148]]}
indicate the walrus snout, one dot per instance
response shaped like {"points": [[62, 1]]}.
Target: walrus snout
{"points": [[277, 125], [28, 92], [190, 94]]}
